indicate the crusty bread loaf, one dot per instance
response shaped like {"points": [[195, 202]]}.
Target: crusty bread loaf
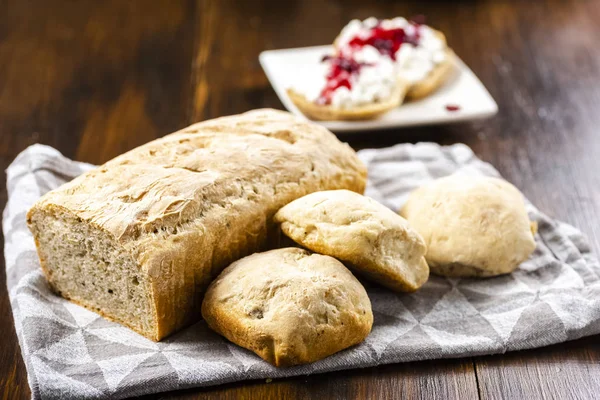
{"points": [[139, 238], [289, 306], [375, 241], [474, 226]]}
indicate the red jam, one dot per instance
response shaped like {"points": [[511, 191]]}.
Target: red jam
{"points": [[387, 41], [340, 70], [342, 67], [452, 107]]}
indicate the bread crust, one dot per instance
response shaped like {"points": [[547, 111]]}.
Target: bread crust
{"points": [[473, 226], [188, 204], [365, 112], [289, 306], [434, 80], [373, 240]]}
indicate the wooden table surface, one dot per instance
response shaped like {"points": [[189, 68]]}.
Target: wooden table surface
{"points": [[96, 78]]}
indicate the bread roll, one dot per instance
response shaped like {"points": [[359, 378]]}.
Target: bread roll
{"points": [[372, 239], [434, 80], [323, 112], [473, 226], [139, 238], [289, 306]]}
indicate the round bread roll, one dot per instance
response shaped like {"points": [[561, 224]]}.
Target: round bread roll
{"points": [[289, 306], [375, 241], [322, 112], [434, 80], [413, 90], [473, 226]]}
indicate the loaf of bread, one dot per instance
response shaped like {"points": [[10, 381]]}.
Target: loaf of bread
{"points": [[474, 226], [289, 306], [373, 240], [139, 239]]}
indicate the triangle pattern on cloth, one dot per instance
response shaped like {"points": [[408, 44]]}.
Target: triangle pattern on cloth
{"points": [[388, 303], [568, 279], [81, 315], [30, 280], [154, 372], [503, 323], [422, 301], [50, 329], [32, 306], [473, 325], [27, 261], [461, 343], [576, 309], [413, 345], [246, 358], [189, 368], [68, 350], [549, 328], [117, 368], [491, 304], [387, 329], [90, 373], [453, 306], [198, 336], [101, 349], [36, 285], [540, 274], [504, 285], [501, 311], [200, 343], [18, 226], [100, 323], [52, 383], [125, 336]]}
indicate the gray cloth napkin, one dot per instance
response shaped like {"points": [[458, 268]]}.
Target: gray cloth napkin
{"points": [[72, 353]]}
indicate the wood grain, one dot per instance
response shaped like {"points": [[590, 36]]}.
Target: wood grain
{"points": [[94, 79], [564, 371], [449, 379]]}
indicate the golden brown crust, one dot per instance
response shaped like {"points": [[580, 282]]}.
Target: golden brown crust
{"points": [[188, 204], [375, 241], [289, 306], [330, 113]]}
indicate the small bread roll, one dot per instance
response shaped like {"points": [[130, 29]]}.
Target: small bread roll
{"points": [[434, 80], [322, 112], [289, 306], [413, 91], [473, 226], [375, 241]]}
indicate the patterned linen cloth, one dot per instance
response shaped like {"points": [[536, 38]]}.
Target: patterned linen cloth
{"points": [[72, 353]]}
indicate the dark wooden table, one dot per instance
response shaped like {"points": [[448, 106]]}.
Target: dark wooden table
{"points": [[96, 78]]}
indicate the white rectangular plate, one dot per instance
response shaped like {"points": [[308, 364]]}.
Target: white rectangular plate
{"points": [[297, 67]]}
